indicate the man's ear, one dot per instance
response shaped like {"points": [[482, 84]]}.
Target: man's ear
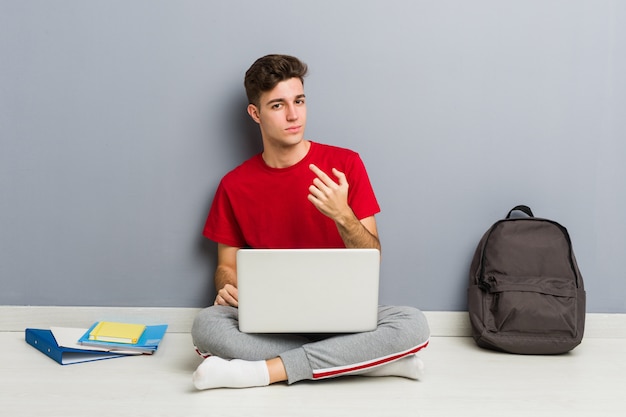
{"points": [[253, 111]]}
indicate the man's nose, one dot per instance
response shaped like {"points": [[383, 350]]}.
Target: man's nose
{"points": [[292, 112]]}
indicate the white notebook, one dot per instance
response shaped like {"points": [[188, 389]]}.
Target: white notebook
{"points": [[308, 290]]}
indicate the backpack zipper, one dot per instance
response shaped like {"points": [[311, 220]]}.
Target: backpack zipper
{"points": [[485, 284]]}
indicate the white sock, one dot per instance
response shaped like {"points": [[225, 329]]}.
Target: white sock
{"points": [[216, 372], [408, 367]]}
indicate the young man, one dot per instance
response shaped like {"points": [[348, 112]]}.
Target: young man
{"points": [[295, 194]]}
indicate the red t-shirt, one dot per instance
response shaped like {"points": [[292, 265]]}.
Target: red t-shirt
{"points": [[261, 207]]}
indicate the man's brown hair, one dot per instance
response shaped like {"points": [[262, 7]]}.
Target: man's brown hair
{"points": [[268, 71]]}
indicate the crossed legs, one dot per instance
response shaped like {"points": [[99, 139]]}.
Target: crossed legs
{"points": [[240, 360]]}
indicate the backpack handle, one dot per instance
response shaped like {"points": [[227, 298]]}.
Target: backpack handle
{"points": [[521, 208]]}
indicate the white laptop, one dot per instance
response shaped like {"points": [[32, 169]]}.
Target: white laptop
{"points": [[308, 290]]}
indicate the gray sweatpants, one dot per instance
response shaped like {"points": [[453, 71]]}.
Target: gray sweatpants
{"points": [[401, 331]]}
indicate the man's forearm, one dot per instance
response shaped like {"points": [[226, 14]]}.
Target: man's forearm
{"points": [[224, 275], [355, 234]]}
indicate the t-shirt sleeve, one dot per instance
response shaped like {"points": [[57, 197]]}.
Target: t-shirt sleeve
{"points": [[361, 197], [221, 224]]}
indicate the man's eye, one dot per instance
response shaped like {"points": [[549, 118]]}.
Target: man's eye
{"points": [[277, 106]]}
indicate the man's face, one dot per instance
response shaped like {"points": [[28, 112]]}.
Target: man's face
{"points": [[281, 114]]}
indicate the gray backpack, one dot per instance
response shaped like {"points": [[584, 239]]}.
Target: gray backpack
{"points": [[526, 293]]}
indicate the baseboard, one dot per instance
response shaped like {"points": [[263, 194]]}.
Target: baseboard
{"points": [[442, 323]]}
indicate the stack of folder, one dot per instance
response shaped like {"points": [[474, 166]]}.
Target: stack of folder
{"points": [[124, 336], [103, 340]]}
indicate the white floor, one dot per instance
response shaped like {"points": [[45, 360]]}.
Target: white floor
{"points": [[460, 379]]}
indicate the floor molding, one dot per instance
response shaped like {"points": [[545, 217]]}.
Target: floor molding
{"points": [[442, 323]]}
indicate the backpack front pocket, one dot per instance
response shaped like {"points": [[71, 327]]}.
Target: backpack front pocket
{"points": [[531, 306]]}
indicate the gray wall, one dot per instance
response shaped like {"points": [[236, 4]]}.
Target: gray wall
{"points": [[118, 118]]}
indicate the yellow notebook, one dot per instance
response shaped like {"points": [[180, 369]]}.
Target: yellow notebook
{"points": [[108, 331]]}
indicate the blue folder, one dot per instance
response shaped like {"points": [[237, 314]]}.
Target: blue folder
{"points": [[44, 341]]}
